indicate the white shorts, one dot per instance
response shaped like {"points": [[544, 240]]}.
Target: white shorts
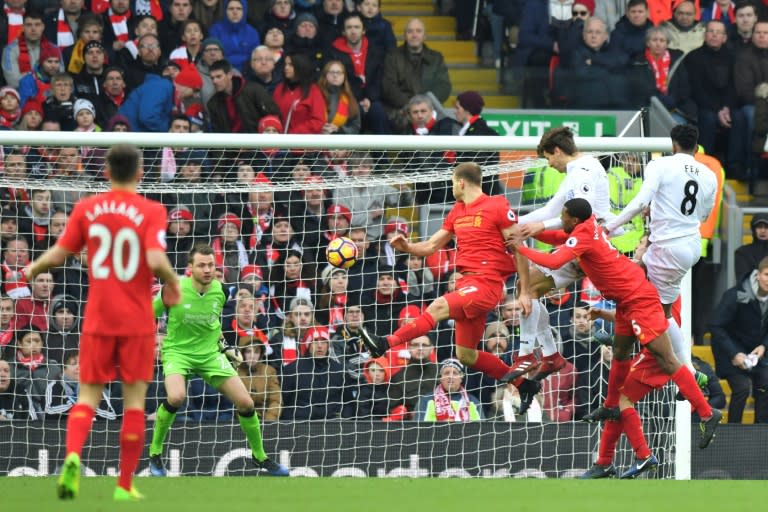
{"points": [[668, 261], [565, 275]]}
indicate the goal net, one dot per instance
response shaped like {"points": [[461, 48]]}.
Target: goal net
{"points": [[268, 206]]}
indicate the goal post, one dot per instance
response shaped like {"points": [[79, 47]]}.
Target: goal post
{"points": [[219, 182]]}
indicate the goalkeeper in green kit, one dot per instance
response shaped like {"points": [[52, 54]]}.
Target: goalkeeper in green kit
{"points": [[194, 345]]}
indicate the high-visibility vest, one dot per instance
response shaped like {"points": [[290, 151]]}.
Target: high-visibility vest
{"points": [[709, 227], [622, 189]]}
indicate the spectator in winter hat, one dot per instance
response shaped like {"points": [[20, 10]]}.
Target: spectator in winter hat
{"points": [[85, 116], [10, 110], [180, 239], [339, 219], [31, 116], [270, 124], [229, 251], [118, 123], [469, 106], [237, 37], [37, 83], [450, 401]]}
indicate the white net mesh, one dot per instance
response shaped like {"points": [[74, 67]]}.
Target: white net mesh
{"points": [[269, 215]]}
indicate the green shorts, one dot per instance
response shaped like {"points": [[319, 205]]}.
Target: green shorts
{"points": [[213, 367]]}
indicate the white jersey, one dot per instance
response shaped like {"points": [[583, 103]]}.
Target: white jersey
{"points": [[585, 178], [681, 193]]}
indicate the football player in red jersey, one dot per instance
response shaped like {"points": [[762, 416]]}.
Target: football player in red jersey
{"points": [[480, 223], [125, 237], [639, 315]]}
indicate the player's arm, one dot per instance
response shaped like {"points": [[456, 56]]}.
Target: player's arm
{"points": [[546, 217], [553, 260], [552, 237], [53, 257], [510, 234], [161, 267], [425, 247]]}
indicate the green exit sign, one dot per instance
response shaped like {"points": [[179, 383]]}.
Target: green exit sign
{"points": [[534, 125]]}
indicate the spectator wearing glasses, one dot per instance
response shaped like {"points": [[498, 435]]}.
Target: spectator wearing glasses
{"points": [[263, 69], [568, 35], [146, 63]]}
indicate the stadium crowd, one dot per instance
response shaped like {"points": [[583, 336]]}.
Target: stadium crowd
{"points": [[287, 66]]}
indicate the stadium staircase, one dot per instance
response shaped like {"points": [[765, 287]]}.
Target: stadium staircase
{"points": [[460, 56], [704, 352]]}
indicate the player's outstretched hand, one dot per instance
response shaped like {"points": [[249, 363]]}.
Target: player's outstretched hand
{"points": [[232, 353], [532, 229], [399, 242], [525, 302], [171, 294]]}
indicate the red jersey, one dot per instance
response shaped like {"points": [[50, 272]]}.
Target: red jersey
{"points": [[117, 227], [615, 275], [479, 241]]}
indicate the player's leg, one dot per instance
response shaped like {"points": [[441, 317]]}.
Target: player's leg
{"points": [[97, 366], [603, 466], [176, 393], [233, 388], [136, 357], [633, 428], [377, 345], [468, 334], [620, 365]]}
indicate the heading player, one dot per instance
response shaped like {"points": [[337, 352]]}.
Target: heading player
{"points": [[192, 346], [585, 178], [639, 315], [124, 234], [680, 192], [480, 223]]}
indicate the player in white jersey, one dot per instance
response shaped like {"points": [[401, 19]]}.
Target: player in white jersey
{"points": [[681, 192], [586, 178]]}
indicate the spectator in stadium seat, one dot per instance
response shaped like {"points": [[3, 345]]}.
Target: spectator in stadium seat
{"points": [[237, 106], [149, 107], [90, 27], [377, 29], [274, 39], [31, 368], [31, 116], [583, 349], [685, 32], [420, 282], [9, 216], [169, 28], [332, 298], [363, 62], [20, 55], [7, 313], [61, 394], [235, 34], [345, 342], [142, 24], [417, 379], [63, 333], [85, 117], [383, 304], [10, 111], [343, 109], [263, 69], [748, 256], [191, 49], [111, 97], [61, 25], [33, 310], [146, 63], [280, 14], [35, 218], [118, 23], [229, 250], [496, 340], [89, 82], [305, 40], [314, 386], [15, 167], [411, 69], [15, 258], [15, 399], [370, 397], [740, 32], [285, 341], [739, 343], [211, 51], [299, 99], [11, 20], [339, 218], [271, 254], [449, 401], [36, 84], [330, 15], [245, 322], [362, 275], [629, 33], [292, 279], [260, 380], [58, 106], [180, 238], [309, 220]]}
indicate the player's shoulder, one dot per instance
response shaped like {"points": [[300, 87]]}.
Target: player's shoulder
{"points": [[586, 163]]}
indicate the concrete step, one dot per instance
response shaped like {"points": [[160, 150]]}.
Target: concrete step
{"points": [[747, 418], [491, 101], [437, 24], [454, 49]]}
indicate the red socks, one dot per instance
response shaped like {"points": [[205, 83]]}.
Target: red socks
{"points": [[131, 445], [608, 440], [616, 378], [419, 327], [490, 365], [692, 392], [630, 420], [78, 427]]}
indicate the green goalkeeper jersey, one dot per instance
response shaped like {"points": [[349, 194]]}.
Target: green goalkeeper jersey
{"points": [[194, 325]]}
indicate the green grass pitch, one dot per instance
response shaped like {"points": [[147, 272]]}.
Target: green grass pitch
{"points": [[263, 494]]}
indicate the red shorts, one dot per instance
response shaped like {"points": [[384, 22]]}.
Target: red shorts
{"points": [[102, 358], [474, 298], [641, 316], [644, 376]]}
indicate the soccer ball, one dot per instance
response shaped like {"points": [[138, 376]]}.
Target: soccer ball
{"points": [[341, 252]]}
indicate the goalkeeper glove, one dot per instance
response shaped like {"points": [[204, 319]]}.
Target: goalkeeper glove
{"points": [[232, 353]]}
